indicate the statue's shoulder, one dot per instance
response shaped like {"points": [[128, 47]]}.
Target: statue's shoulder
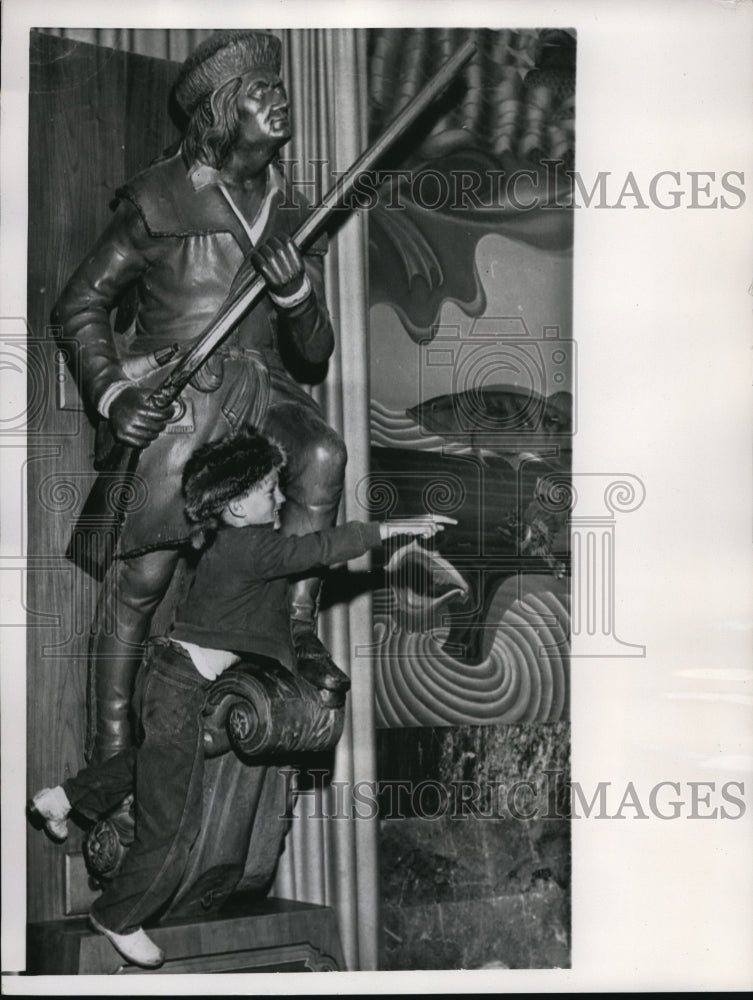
{"points": [[164, 198]]}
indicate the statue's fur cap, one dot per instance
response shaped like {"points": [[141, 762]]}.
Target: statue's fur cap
{"points": [[220, 471], [219, 58]]}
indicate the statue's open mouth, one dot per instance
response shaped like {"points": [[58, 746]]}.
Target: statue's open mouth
{"points": [[423, 583]]}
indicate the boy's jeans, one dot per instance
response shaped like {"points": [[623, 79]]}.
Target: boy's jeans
{"points": [[165, 772]]}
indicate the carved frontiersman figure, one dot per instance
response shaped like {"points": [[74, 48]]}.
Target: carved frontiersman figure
{"points": [[183, 230]]}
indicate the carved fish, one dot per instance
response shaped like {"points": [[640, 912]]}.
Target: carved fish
{"points": [[504, 420]]}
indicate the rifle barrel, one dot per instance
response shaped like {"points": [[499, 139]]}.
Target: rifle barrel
{"points": [[431, 90]]}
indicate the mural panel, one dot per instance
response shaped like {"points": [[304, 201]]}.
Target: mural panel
{"points": [[472, 377]]}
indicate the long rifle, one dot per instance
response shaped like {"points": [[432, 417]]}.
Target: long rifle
{"points": [[95, 535]]}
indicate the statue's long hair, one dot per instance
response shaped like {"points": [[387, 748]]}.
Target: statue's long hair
{"points": [[213, 127]]}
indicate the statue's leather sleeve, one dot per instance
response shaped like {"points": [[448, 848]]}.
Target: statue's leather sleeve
{"points": [[115, 262], [309, 324]]}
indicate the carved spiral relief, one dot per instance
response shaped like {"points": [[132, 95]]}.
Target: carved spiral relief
{"points": [[522, 678]]}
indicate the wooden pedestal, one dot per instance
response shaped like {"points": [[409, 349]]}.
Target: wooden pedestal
{"points": [[270, 935]]}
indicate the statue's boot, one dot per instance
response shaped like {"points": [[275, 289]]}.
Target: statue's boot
{"points": [[313, 660], [114, 687], [111, 729], [132, 591]]}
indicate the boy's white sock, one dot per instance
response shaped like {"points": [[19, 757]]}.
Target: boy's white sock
{"points": [[54, 806]]}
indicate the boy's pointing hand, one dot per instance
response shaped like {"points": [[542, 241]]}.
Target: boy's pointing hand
{"points": [[423, 526]]}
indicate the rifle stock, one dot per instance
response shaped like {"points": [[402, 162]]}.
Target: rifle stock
{"points": [[95, 536], [94, 539]]}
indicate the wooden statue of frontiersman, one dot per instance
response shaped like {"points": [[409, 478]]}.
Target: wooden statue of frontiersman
{"points": [[182, 230]]}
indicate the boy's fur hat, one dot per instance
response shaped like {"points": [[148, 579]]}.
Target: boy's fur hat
{"points": [[221, 57], [220, 471]]}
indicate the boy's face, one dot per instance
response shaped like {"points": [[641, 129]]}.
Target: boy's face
{"points": [[260, 505]]}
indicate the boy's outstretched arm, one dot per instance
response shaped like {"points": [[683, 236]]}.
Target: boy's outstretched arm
{"points": [[276, 555]]}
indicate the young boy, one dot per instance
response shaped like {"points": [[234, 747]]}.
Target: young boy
{"points": [[236, 607]]}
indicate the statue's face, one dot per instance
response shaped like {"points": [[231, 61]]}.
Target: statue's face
{"points": [[263, 110]]}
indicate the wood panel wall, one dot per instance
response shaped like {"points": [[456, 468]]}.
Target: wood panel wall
{"points": [[96, 116]]}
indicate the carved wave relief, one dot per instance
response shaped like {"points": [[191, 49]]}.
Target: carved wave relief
{"points": [[523, 676]]}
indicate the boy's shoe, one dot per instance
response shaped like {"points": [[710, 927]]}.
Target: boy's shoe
{"points": [[53, 806], [136, 947]]}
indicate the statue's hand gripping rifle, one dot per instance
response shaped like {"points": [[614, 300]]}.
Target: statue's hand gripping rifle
{"points": [[95, 535]]}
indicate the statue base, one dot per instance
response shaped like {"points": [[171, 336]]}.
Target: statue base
{"points": [[248, 935]]}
